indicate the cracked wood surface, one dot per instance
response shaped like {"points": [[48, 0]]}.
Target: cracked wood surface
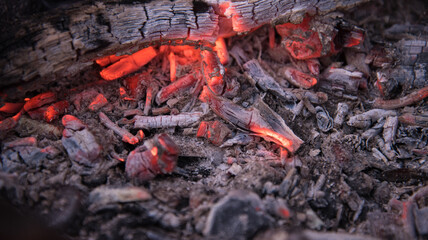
{"points": [[62, 42]]}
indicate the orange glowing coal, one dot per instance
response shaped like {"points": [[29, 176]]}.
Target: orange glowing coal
{"points": [[154, 151], [172, 66], [98, 102], [107, 60], [11, 107], [221, 49], [128, 64], [272, 136]]}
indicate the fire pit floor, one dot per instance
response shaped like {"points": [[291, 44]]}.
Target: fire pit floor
{"points": [[359, 173]]}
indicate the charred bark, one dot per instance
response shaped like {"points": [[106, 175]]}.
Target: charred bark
{"points": [[62, 41]]}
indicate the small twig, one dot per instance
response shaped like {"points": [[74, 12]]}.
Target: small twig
{"points": [[126, 136], [411, 98]]}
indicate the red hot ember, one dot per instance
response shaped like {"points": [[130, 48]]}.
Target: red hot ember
{"points": [[214, 131], [157, 156]]}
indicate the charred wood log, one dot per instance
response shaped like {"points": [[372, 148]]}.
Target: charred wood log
{"points": [[63, 41]]}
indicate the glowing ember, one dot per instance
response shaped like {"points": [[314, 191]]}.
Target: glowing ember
{"points": [[213, 71], [11, 107], [175, 87], [40, 100], [107, 60], [122, 91], [140, 135], [154, 151], [99, 102], [172, 66], [221, 49], [128, 64], [300, 41], [271, 37], [298, 78], [144, 164], [272, 135], [55, 110], [214, 131]]}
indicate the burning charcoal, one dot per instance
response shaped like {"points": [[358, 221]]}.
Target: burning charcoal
{"points": [[260, 120], [123, 133], [55, 110], [151, 91], [38, 113], [176, 87], [414, 120], [341, 112], [157, 156], [214, 131], [239, 215], [128, 64], [80, 144], [105, 195], [99, 102], [308, 44], [172, 66], [324, 121], [11, 107], [212, 71], [238, 139], [85, 96], [365, 120], [40, 100], [257, 75], [297, 78], [221, 49], [107, 60], [167, 121], [311, 66], [414, 97]]}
